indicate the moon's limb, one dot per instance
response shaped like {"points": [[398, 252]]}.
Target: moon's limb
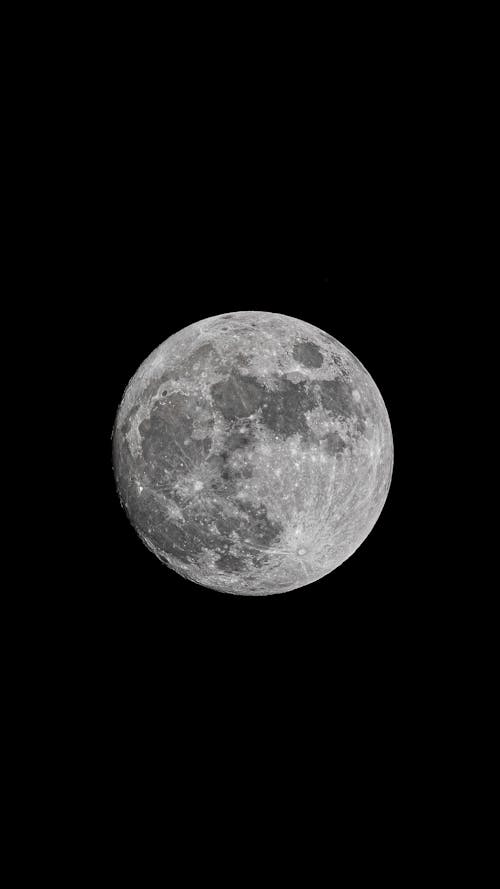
{"points": [[253, 452]]}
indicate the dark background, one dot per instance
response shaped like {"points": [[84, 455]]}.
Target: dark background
{"points": [[349, 290], [210, 197], [217, 208], [337, 645], [183, 186]]}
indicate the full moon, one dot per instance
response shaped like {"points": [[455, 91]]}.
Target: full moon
{"points": [[252, 453]]}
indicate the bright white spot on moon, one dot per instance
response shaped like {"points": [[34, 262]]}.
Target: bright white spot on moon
{"points": [[356, 395]]}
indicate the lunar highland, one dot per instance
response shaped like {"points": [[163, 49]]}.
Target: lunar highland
{"points": [[252, 453]]}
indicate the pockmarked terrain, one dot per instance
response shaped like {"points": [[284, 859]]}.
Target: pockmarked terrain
{"points": [[252, 452]]}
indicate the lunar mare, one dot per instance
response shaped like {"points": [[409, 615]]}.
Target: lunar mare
{"points": [[252, 453]]}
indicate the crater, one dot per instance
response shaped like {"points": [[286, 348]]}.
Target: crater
{"points": [[333, 443], [127, 424], [242, 360], [336, 397], [229, 562], [205, 356], [308, 354], [239, 439], [261, 530], [284, 411], [341, 364]]}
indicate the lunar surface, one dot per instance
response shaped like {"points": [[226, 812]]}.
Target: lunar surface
{"points": [[252, 452]]}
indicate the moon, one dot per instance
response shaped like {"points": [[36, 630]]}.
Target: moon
{"points": [[252, 453]]}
